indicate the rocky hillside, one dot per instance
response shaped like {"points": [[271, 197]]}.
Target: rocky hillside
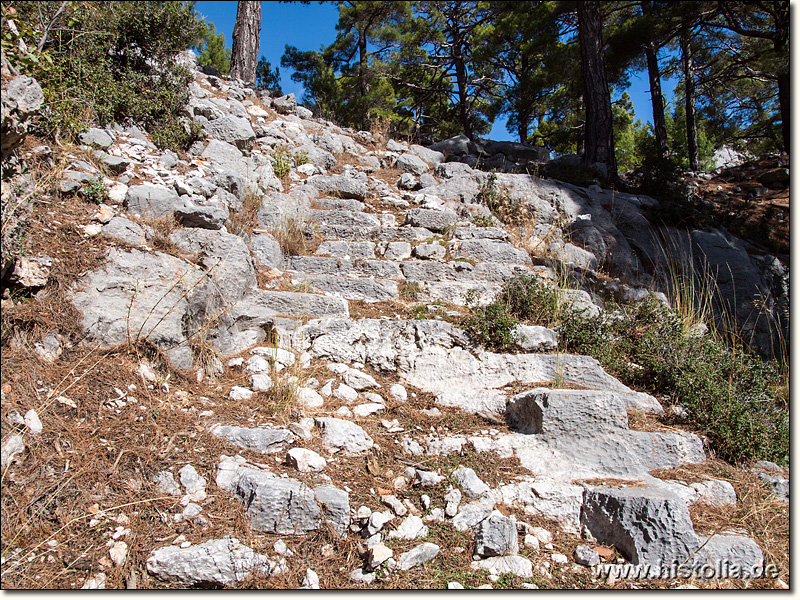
{"points": [[245, 366]]}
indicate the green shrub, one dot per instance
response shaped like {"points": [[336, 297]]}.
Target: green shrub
{"points": [[730, 393], [282, 161], [736, 397], [114, 62]]}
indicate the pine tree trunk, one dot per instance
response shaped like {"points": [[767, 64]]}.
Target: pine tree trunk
{"points": [[246, 33], [659, 122], [784, 86], [691, 118], [363, 84], [599, 131]]}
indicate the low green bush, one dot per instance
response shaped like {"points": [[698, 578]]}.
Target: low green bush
{"points": [[112, 62], [735, 396]]}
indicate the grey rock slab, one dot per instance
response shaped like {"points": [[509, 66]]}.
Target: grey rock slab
{"points": [[728, 551], [715, 492], [285, 105], [97, 138], [261, 305], [339, 434], [496, 535], [230, 272], [344, 249], [335, 506], [472, 513], [779, 485], [434, 220], [417, 556], [585, 556], [432, 157], [152, 200], [411, 163], [647, 525], [534, 338], [358, 380], [351, 288], [266, 251], [340, 204], [275, 504], [490, 250], [305, 461], [328, 265], [138, 295], [204, 217], [22, 97], [469, 481], [231, 129], [516, 565], [345, 218], [566, 412], [342, 185], [115, 165], [260, 439], [430, 251], [480, 233], [224, 561], [410, 528], [397, 251], [223, 155]]}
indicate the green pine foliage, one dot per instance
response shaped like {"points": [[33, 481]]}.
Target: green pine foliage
{"points": [[213, 51]]}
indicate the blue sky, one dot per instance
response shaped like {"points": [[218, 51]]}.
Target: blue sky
{"points": [[308, 27]]}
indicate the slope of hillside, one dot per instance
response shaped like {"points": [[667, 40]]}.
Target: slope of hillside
{"points": [[247, 366]]}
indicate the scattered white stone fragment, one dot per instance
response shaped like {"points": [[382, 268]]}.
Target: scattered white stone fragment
{"points": [[261, 382], [311, 580], [428, 478], [377, 521], [358, 380], [240, 393], [360, 576], [426, 501], [118, 553], [364, 410], [378, 554], [394, 503], [559, 559], [33, 422], [13, 447], [417, 556], [305, 461], [454, 585], [544, 536], [146, 372], [411, 528], [516, 565], [346, 393], [452, 500], [531, 541], [309, 398], [398, 393], [95, 582]]}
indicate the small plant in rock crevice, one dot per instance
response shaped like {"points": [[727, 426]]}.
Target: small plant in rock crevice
{"points": [[96, 191]]}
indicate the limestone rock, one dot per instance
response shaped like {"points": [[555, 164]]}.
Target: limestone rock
{"points": [[260, 439], [224, 561], [339, 434]]}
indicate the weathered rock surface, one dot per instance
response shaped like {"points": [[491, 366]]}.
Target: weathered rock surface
{"points": [[225, 561]]}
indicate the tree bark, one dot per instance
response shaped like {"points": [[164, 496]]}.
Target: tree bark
{"points": [[599, 132], [246, 33], [691, 118], [654, 74]]}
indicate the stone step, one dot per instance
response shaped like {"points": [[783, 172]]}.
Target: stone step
{"points": [[326, 265], [263, 305], [351, 288]]}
